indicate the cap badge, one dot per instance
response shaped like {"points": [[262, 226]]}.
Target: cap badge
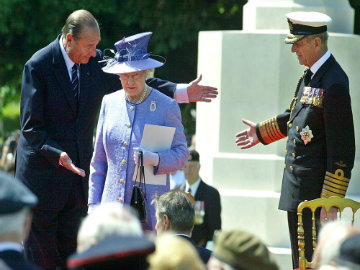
{"points": [[291, 27], [306, 135]]}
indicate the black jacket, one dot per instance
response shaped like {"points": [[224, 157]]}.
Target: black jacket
{"points": [[321, 165]]}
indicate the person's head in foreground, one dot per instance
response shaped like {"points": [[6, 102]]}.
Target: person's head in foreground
{"points": [[107, 220], [174, 253], [239, 250]]}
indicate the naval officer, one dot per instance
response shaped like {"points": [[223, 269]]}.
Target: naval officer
{"points": [[318, 127]]}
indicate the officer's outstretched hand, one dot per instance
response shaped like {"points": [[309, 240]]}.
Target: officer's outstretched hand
{"points": [[197, 92], [67, 163], [332, 215], [247, 138]]}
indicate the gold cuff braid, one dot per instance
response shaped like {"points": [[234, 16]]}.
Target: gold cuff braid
{"points": [[335, 184], [270, 131]]}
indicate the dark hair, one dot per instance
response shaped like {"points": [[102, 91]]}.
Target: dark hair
{"points": [[178, 207], [77, 21]]}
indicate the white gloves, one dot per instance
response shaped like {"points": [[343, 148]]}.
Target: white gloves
{"points": [[91, 208], [149, 158]]}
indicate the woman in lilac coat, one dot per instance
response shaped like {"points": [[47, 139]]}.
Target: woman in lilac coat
{"points": [[120, 127]]}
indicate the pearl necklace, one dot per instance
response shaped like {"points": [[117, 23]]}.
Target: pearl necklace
{"points": [[145, 93]]}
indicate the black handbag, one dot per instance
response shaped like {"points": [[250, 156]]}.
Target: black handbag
{"points": [[138, 197]]}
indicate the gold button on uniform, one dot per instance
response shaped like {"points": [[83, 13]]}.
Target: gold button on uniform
{"points": [[291, 168], [294, 141], [293, 154], [123, 162], [131, 108], [297, 128], [287, 139], [290, 125], [125, 143], [286, 152], [128, 125], [120, 200], [284, 166], [121, 181]]}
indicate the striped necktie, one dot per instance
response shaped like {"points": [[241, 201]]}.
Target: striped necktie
{"points": [[75, 80]]}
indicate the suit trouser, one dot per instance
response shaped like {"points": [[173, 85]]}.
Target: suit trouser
{"points": [[53, 233], [307, 224]]}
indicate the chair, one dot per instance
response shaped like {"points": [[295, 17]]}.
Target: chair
{"points": [[327, 203]]}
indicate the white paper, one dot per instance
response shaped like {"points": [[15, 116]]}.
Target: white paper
{"points": [[155, 139]]}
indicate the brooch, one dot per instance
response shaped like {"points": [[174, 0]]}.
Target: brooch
{"points": [[306, 135], [153, 106]]}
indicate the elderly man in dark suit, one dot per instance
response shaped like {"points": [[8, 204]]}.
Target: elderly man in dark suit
{"points": [[318, 125], [62, 88], [16, 202], [175, 212], [207, 201]]}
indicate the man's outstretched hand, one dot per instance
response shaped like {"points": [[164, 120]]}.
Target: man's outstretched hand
{"points": [[197, 92], [67, 163], [247, 138]]}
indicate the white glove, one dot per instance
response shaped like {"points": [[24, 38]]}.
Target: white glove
{"points": [[149, 158], [91, 208]]}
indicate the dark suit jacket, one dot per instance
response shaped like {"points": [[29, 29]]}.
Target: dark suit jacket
{"points": [[212, 219], [52, 123], [330, 153], [204, 253], [16, 260]]}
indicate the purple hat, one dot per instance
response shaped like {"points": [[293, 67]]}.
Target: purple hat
{"points": [[132, 55]]}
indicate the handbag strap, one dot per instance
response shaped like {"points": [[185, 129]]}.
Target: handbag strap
{"points": [[142, 171]]}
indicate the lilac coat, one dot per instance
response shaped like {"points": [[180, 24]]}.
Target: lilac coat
{"points": [[119, 130]]}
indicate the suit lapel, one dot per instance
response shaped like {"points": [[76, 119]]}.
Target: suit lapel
{"points": [[199, 191], [298, 105], [62, 75], [315, 82], [86, 80]]}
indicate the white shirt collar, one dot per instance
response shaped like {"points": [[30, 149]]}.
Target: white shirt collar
{"points": [[11, 246], [193, 187], [69, 63], [315, 67]]}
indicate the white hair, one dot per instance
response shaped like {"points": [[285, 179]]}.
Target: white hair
{"points": [[331, 235], [107, 219], [13, 222]]}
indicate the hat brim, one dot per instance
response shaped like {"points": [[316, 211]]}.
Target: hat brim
{"points": [[131, 66], [112, 249], [291, 39]]}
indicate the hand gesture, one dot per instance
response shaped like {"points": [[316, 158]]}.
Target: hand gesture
{"points": [[247, 138], [67, 163], [198, 92]]}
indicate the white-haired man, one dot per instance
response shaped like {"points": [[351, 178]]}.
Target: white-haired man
{"points": [[15, 221], [106, 220]]}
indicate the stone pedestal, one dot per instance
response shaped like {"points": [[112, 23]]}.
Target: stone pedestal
{"points": [[269, 14]]}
